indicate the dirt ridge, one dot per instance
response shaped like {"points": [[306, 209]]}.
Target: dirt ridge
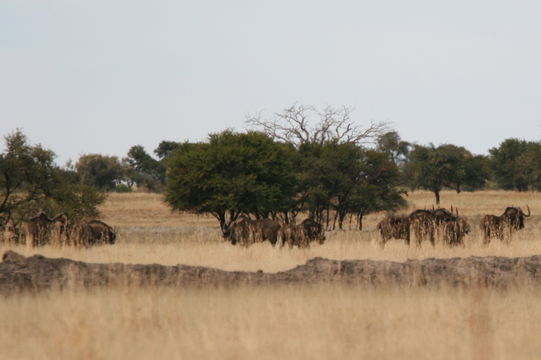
{"points": [[37, 272]]}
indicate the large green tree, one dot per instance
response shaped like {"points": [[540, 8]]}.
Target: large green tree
{"points": [[232, 173]]}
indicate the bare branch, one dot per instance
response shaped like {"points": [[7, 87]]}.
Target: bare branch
{"points": [[295, 126]]}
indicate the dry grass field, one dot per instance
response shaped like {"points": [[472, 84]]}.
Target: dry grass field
{"points": [[296, 322]]}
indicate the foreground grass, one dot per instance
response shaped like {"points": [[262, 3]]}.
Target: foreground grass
{"points": [[286, 322], [312, 322]]}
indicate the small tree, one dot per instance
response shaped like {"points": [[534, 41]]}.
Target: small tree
{"points": [[148, 171], [102, 172], [513, 165], [435, 168], [30, 181]]}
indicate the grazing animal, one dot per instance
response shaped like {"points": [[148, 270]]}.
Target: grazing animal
{"points": [[303, 234], [35, 232], [497, 227], [313, 230], [423, 225], [395, 227], [439, 224], [93, 232], [61, 230], [245, 231], [8, 235], [454, 231]]}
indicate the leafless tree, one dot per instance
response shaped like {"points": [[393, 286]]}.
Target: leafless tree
{"points": [[295, 125]]}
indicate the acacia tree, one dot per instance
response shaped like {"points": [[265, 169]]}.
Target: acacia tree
{"points": [[232, 173]]}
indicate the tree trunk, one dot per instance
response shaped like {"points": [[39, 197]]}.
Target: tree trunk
{"points": [[334, 221], [437, 194], [360, 221], [341, 216]]}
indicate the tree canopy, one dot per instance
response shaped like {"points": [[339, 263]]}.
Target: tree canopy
{"points": [[30, 180], [233, 173]]}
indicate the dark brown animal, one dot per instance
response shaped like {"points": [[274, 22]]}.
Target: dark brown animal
{"points": [[36, 231], [423, 225], [313, 230], [61, 230], [8, 235], [441, 224], [454, 230], [303, 234], [395, 227], [93, 232], [245, 231], [498, 227]]}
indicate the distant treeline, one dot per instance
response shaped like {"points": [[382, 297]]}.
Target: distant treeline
{"points": [[329, 168]]}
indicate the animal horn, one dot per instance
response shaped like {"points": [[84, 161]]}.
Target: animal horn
{"points": [[529, 212]]}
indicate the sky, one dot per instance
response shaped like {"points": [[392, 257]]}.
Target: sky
{"points": [[100, 76]]}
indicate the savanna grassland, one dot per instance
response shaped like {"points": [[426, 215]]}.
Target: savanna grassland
{"points": [[289, 321]]}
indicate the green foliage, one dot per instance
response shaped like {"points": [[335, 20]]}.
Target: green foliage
{"points": [[166, 148], [397, 149], [145, 170], [100, 171], [30, 181], [250, 173], [434, 168], [516, 165], [231, 174]]}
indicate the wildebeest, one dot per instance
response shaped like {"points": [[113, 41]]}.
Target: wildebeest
{"points": [[93, 232], [510, 221], [426, 225], [454, 230], [245, 231], [36, 231], [423, 226], [303, 234], [313, 230], [395, 227], [8, 234], [61, 229]]}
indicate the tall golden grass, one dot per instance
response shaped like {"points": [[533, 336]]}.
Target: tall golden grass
{"points": [[293, 322]]}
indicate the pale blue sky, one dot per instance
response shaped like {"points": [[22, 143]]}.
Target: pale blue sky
{"points": [[96, 76]]}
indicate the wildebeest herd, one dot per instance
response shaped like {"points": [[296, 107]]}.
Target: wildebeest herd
{"points": [[60, 231], [421, 225], [245, 231], [448, 227]]}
